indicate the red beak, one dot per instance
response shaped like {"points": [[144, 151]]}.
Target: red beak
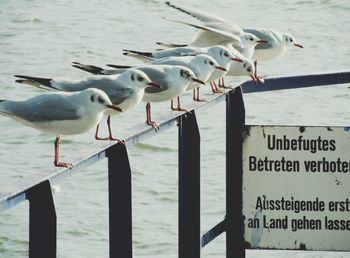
{"points": [[154, 84], [197, 80], [116, 108], [261, 41], [237, 59], [298, 45], [221, 68]]}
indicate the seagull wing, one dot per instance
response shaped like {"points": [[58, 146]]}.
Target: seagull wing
{"points": [[43, 108], [220, 36]]}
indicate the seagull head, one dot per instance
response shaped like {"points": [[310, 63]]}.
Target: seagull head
{"points": [[222, 55], [250, 40], [290, 41], [208, 63], [140, 79], [97, 100], [189, 76]]}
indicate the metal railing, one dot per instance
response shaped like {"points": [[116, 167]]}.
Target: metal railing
{"points": [[42, 215]]}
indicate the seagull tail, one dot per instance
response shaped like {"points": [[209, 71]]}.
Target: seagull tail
{"points": [[119, 66], [88, 68], [142, 56], [170, 45], [41, 83]]}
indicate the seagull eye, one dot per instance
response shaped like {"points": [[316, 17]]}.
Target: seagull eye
{"points": [[92, 98], [249, 69], [100, 100], [251, 39], [140, 78], [226, 54], [291, 40], [211, 63]]}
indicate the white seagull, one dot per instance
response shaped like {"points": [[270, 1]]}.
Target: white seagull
{"points": [[277, 46], [221, 54], [60, 113], [216, 30], [202, 65], [174, 79], [125, 90]]}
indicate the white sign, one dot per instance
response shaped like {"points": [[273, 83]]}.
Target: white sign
{"points": [[296, 187]]}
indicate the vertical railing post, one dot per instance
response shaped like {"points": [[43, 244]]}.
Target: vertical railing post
{"points": [[42, 221], [120, 202], [189, 186], [235, 120]]}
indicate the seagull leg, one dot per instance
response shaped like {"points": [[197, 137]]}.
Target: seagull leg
{"points": [[196, 95], [178, 108], [259, 78], [222, 84], [57, 155], [148, 117], [98, 138], [215, 88], [111, 138]]}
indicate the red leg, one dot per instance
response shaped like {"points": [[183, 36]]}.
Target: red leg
{"points": [[57, 155], [98, 138], [216, 89], [197, 98], [222, 85], [194, 94], [110, 132], [178, 108], [148, 117], [259, 78]]}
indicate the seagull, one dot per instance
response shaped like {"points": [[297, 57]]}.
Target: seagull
{"points": [[277, 46], [174, 79], [60, 113], [125, 90], [242, 67], [221, 54], [216, 30], [202, 65]]}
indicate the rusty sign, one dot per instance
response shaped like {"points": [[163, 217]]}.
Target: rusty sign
{"points": [[296, 187]]}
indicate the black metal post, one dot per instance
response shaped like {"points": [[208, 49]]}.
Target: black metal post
{"points": [[235, 120], [42, 221], [189, 186], [120, 202]]}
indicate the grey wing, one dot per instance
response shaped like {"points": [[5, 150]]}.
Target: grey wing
{"points": [[44, 109], [200, 15], [118, 94], [179, 51], [157, 76], [262, 34], [116, 90]]}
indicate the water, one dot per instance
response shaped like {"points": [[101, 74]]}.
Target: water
{"points": [[42, 38]]}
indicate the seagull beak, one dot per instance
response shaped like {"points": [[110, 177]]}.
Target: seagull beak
{"points": [[298, 45], [237, 59], [221, 68], [197, 80], [154, 84], [114, 107], [262, 41]]}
